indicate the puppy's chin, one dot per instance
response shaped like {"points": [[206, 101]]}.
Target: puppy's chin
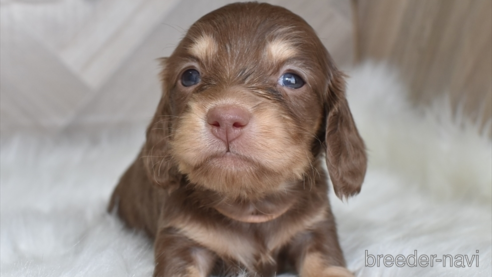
{"points": [[236, 176]]}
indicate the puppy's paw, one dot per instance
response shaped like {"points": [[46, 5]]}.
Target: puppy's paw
{"points": [[316, 265], [336, 271]]}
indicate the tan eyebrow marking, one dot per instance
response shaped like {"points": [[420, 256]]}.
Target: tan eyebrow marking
{"points": [[279, 50], [204, 47]]}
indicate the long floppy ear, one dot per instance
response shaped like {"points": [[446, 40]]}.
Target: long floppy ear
{"points": [[345, 151], [155, 154]]}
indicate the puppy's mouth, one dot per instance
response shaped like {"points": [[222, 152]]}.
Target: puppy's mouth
{"points": [[231, 160]]}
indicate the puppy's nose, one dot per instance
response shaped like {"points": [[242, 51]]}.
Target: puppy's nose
{"points": [[228, 122]]}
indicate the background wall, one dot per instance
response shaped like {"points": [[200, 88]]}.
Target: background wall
{"points": [[440, 47], [76, 65]]}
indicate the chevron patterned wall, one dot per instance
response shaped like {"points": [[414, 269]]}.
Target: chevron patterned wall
{"points": [[70, 64]]}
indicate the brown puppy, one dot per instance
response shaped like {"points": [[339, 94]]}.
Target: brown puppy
{"points": [[230, 177]]}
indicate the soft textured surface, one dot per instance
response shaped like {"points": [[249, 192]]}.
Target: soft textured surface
{"points": [[428, 188]]}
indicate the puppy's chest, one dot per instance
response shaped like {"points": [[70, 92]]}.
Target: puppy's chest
{"points": [[254, 245]]}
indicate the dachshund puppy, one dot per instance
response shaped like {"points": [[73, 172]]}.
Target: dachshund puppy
{"points": [[230, 178]]}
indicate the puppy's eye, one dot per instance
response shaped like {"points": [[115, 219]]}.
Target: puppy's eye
{"points": [[291, 80], [190, 78]]}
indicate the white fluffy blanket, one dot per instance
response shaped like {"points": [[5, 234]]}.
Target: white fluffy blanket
{"points": [[428, 189]]}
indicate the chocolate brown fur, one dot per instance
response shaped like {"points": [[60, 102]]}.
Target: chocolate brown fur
{"points": [[256, 202]]}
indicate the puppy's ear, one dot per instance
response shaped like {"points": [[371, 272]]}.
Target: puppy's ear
{"points": [[345, 151], [156, 154]]}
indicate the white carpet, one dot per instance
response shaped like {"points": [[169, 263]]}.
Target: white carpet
{"points": [[428, 189]]}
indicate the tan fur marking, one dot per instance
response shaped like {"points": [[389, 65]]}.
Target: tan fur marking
{"points": [[280, 50], [194, 272], [222, 242], [204, 261], [287, 233], [314, 266], [254, 218], [204, 47]]}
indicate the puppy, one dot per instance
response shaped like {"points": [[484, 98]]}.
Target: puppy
{"points": [[230, 178]]}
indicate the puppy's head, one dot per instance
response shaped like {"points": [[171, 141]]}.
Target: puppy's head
{"points": [[250, 98]]}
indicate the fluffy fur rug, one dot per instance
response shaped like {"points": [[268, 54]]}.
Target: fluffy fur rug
{"points": [[428, 189]]}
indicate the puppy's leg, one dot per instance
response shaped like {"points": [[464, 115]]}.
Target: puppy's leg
{"points": [[316, 252], [178, 256]]}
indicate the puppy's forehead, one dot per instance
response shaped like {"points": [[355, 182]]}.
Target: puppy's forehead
{"points": [[245, 33], [205, 47]]}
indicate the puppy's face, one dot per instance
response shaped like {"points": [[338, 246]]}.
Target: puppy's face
{"points": [[245, 100]]}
